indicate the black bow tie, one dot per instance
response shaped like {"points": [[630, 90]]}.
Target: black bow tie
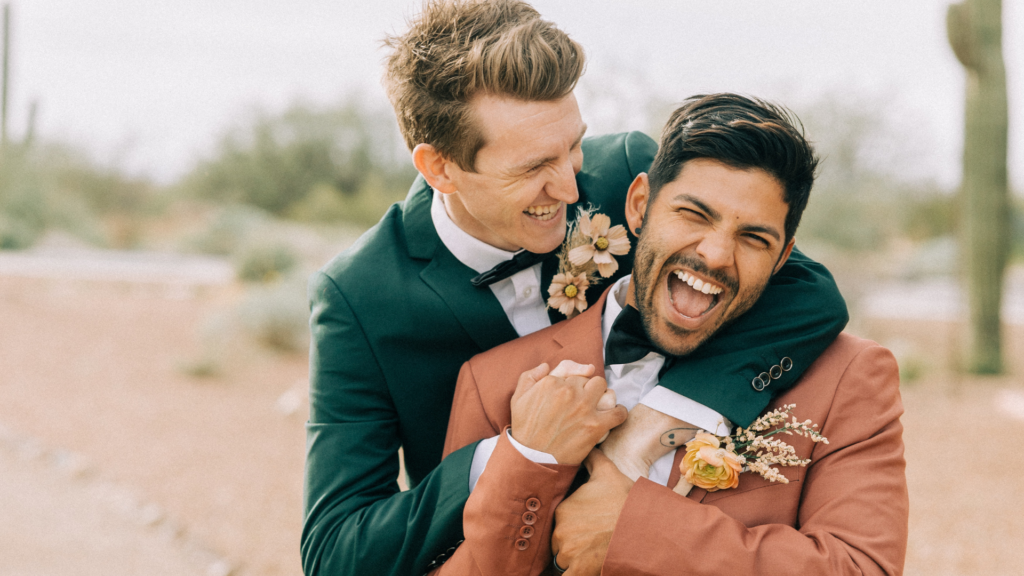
{"points": [[627, 341], [521, 261]]}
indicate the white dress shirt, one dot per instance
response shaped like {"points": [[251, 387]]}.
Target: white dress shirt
{"points": [[519, 295]]}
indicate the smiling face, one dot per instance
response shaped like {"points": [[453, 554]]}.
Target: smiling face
{"points": [[710, 242], [525, 173]]}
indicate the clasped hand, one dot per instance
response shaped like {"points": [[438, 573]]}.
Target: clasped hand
{"points": [[564, 413]]}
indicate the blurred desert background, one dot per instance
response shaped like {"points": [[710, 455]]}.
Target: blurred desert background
{"points": [[172, 173]]}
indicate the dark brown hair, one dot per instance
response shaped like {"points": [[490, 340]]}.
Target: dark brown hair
{"points": [[743, 133], [456, 49]]}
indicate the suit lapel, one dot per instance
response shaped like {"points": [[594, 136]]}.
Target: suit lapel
{"points": [[580, 339], [476, 309]]}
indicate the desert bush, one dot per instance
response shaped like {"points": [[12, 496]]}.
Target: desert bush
{"points": [[312, 164], [265, 262], [277, 316], [52, 186]]}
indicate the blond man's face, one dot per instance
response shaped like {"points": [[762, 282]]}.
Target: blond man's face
{"points": [[525, 173]]}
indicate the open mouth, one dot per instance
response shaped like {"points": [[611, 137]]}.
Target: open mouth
{"points": [[692, 297], [543, 213]]}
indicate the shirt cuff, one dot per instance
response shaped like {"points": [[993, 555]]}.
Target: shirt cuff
{"points": [[678, 406], [485, 448]]}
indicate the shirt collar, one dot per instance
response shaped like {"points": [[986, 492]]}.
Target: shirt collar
{"points": [[475, 253], [613, 305]]}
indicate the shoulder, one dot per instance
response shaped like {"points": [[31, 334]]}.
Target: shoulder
{"points": [[379, 256], [611, 162], [853, 379], [517, 356]]}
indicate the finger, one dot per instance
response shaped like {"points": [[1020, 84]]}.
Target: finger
{"points": [[595, 387], [530, 378], [588, 462], [611, 418], [567, 368], [597, 462], [607, 401]]}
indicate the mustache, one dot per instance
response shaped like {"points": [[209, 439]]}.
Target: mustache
{"points": [[698, 265]]}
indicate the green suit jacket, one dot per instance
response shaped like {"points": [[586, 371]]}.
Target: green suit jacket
{"points": [[395, 316]]}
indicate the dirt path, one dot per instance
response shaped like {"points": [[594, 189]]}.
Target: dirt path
{"points": [[59, 520], [94, 369]]}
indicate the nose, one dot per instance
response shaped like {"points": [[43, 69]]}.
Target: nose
{"points": [[562, 185], [717, 249]]}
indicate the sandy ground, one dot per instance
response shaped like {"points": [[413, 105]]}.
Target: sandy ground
{"points": [[114, 460]]}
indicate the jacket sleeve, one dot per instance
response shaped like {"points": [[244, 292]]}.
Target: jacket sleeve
{"points": [[797, 317], [853, 510], [509, 517], [356, 521]]}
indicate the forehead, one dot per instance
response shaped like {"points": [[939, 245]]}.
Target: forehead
{"points": [[515, 130], [742, 195]]}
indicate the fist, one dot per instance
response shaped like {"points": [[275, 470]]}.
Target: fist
{"points": [[564, 412]]}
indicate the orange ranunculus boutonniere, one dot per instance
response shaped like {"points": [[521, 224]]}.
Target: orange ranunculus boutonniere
{"points": [[706, 465], [709, 465]]}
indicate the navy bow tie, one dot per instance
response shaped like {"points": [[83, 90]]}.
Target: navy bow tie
{"points": [[627, 341], [521, 261]]}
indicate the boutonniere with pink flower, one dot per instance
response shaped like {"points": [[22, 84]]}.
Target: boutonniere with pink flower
{"points": [[715, 462], [591, 245]]}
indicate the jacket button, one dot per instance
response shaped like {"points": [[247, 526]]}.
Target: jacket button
{"points": [[533, 504], [526, 531], [776, 372], [529, 518], [522, 544], [786, 363]]}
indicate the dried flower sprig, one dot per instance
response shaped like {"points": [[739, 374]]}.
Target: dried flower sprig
{"points": [[591, 244], [710, 466]]}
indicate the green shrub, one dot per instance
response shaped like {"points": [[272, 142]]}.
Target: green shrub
{"points": [[340, 163], [277, 316], [265, 262]]}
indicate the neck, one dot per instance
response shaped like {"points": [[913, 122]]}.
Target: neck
{"points": [[456, 210]]}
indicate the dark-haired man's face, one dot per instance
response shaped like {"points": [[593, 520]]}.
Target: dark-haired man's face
{"points": [[710, 242]]}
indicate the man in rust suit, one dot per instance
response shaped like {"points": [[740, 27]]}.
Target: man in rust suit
{"points": [[719, 208]]}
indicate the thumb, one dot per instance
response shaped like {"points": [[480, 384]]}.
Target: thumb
{"points": [[568, 368], [596, 462], [529, 378]]}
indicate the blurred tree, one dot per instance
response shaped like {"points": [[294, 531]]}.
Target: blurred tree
{"points": [[310, 164], [974, 28]]}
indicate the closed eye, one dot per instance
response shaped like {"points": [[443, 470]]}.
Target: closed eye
{"points": [[691, 213], [759, 240]]}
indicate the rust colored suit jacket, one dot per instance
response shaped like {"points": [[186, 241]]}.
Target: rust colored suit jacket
{"points": [[845, 513]]}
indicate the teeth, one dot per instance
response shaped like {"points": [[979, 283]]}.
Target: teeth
{"points": [[698, 284], [543, 212]]}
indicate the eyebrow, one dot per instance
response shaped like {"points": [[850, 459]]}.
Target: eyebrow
{"points": [[717, 217], [530, 165]]}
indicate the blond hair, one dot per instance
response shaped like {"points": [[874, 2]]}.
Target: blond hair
{"points": [[456, 49]]}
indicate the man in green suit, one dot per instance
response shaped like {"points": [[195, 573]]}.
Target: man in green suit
{"points": [[483, 94]]}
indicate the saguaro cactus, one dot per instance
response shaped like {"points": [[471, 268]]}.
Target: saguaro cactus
{"points": [[974, 28]]}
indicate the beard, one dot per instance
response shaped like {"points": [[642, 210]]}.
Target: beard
{"points": [[682, 341]]}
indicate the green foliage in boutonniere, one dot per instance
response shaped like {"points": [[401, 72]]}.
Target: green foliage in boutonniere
{"points": [[714, 463], [590, 247]]}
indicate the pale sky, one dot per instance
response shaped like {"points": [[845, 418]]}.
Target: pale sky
{"points": [[151, 85]]}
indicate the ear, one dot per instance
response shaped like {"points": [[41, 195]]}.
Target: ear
{"points": [[435, 168], [785, 255], [636, 202]]}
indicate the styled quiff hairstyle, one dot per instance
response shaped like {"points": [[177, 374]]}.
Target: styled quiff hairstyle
{"points": [[743, 133], [456, 49]]}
